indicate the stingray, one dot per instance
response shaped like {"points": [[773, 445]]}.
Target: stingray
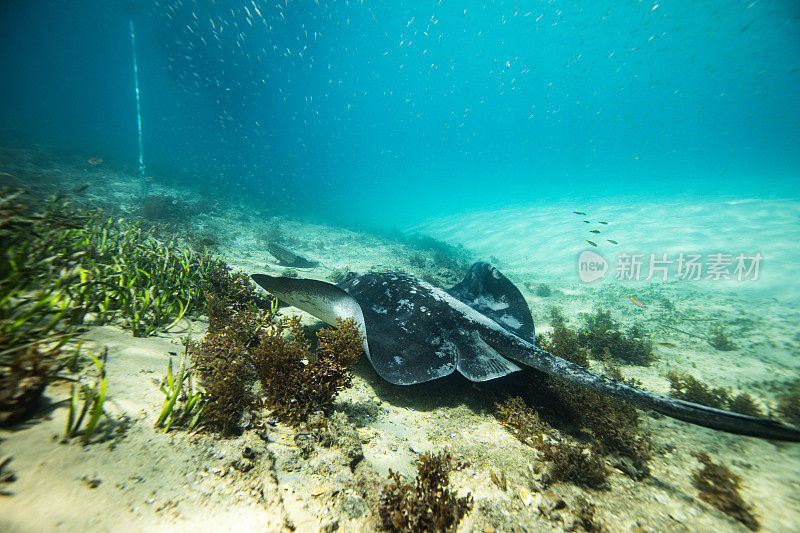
{"points": [[288, 258], [482, 328]]}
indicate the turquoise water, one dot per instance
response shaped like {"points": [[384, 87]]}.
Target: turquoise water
{"points": [[389, 113], [527, 134], [484, 124]]}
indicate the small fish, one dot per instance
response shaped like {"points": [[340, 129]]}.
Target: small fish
{"points": [[587, 221], [94, 161], [603, 223], [148, 179], [592, 243], [81, 189], [612, 242], [667, 344], [579, 213], [637, 302], [594, 231]]}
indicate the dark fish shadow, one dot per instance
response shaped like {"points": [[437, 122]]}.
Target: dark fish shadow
{"points": [[451, 391], [480, 398]]}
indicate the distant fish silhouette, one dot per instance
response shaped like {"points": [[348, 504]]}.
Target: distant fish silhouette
{"points": [[288, 258], [579, 213], [587, 221], [612, 242], [603, 223], [594, 231], [94, 161], [592, 243]]}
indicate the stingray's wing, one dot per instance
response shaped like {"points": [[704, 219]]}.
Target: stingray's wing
{"points": [[407, 355], [418, 332], [489, 292], [410, 350], [323, 300]]}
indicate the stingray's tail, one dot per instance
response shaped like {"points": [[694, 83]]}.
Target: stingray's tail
{"points": [[690, 412]]}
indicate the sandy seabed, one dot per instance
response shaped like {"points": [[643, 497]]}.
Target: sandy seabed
{"points": [[135, 478]]}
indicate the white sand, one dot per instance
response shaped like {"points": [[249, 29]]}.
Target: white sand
{"points": [[179, 482], [544, 242]]}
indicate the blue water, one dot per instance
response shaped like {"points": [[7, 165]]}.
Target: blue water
{"points": [[387, 113]]}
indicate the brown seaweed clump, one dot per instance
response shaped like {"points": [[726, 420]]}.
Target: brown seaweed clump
{"points": [[789, 403], [231, 299], [296, 382], [557, 317], [720, 341], [602, 336], [564, 343], [234, 288], [569, 460], [243, 344], [24, 374], [223, 368], [524, 422], [585, 519], [743, 403], [543, 290], [686, 387], [612, 422], [221, 359], [615, 424], [719, 487], [582, 465], [428, 504]]}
